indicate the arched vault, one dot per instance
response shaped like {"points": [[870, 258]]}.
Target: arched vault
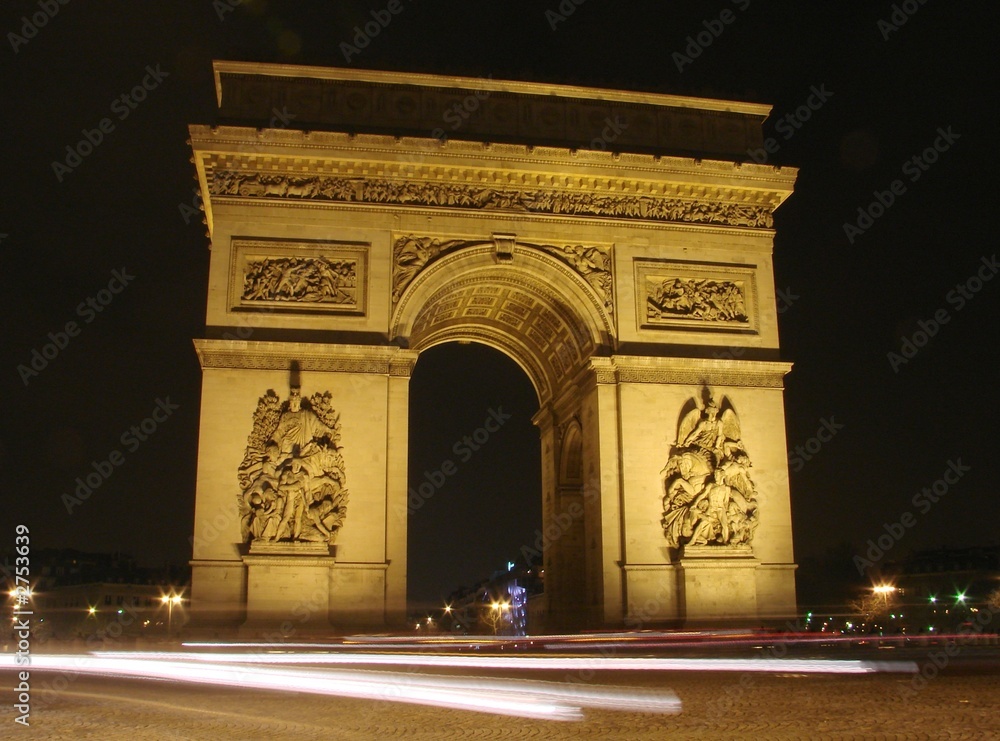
{"points": [[531, 307]]}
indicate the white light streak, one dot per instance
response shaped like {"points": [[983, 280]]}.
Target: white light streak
{"points": [[563, 663], [521, 698]]}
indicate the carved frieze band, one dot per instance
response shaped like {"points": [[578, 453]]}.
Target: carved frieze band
{"points": [[411, 254], [237, 184]]}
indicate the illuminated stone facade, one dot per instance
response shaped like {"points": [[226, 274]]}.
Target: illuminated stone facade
{"points": [[627, 269]]}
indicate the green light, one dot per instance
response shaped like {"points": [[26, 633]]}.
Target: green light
{"points": [[933, 598]]}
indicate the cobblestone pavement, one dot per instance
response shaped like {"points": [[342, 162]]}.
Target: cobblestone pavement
{"points": [[716, 706]]}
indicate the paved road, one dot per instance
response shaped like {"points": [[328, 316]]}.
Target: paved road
{"points": [[960, 704]]}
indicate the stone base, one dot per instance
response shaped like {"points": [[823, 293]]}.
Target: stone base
{"points": [[279, 548], [719, 585], [299, 589], [288, 588], [654, 593]]}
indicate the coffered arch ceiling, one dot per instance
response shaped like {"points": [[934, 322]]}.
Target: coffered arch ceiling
{"points": [[529, 307]]}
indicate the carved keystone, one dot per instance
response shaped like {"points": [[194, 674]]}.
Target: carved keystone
{"points": [[503, 247]]}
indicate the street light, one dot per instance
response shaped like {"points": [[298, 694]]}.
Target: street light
{"points": [[170, 600]]}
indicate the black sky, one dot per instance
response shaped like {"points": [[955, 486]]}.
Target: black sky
{"points": [[853, 303]]}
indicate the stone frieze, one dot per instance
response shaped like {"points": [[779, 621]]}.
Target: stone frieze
{"points": [[229, 183]]}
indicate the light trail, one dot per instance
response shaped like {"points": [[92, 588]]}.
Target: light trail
{"points": [[520, 698], [281, 655]]}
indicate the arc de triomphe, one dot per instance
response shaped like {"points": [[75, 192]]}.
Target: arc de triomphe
{"points": [[611, 243]]}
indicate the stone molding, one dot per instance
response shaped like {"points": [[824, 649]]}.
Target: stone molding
{"points": [[317, 358], [290, 561], [690, 371]]}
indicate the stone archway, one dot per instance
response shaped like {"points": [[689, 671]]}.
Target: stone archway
{"points": [[538, 311], [634, 287]]}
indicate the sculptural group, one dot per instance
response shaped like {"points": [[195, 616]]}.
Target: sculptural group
{"points": [[292, 481]]}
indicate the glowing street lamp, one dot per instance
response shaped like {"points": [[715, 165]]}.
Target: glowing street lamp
{"points": [[170, 600], [885, 590]]}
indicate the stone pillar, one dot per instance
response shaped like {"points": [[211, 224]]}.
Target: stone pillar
{"points": [[397, 458], [602, 494], [288, 589]]}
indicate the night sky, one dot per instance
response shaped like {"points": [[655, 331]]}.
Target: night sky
{"points": [[888, 93]]}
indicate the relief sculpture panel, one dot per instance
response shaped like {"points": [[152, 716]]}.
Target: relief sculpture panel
{"points": [[292, 478], [708, 495], [280, 275], [700, 296]]}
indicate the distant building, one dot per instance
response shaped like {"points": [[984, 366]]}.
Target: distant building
{"points": [[101, 596], [108, 611], [501, 605], [946, 589]]}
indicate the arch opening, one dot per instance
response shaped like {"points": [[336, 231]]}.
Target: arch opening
{"points": [[474, 478]]}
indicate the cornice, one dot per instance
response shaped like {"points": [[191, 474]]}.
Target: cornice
{"points": [[689, 371], [317, 358], [246, 145], [221, 67]]}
